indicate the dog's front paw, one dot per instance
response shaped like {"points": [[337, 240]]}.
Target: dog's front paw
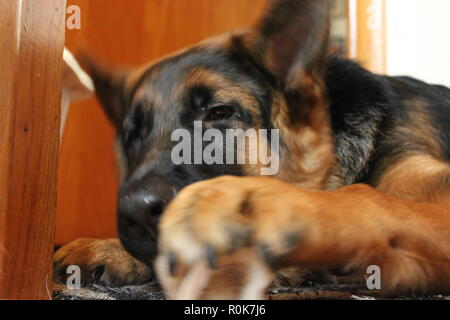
{"points": [[100, 261], [230, 230], [218, 216]]}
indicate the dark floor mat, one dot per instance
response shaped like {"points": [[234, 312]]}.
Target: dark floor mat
{"points": [[152, 291]]}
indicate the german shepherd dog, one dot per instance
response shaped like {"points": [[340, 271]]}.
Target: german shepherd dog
{"points": [[363, 180]]}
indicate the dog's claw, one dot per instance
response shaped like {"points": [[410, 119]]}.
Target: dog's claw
{"points": [[241, 238], [211, 257], [98, 273], [291, 240], [172, 263], [268, 257], [342, 271]]}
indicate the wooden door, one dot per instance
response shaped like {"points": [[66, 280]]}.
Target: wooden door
{"points": [[125, 33], [367, 33], [31, 48]]}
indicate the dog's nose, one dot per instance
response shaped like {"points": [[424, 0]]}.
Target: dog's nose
{"points": [[141, 204]]}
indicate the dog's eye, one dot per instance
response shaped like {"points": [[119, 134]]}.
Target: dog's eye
{"points": [[220, 113]]}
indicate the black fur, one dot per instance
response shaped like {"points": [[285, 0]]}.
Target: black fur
{"points": [[365, 108]]}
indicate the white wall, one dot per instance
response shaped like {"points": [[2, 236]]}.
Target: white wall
{"points": [[418, 39]]}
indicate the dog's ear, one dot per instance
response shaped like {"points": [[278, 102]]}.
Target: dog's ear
{"points": [[109, 87], [292, 38]]}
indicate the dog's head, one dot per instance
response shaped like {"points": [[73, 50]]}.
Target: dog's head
{"points": [[268, 77]]}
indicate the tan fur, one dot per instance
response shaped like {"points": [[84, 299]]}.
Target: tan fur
{"points": [[308, 158], [414, 135], [421, 130], [88, 254], [356, 227], [418, 178]]}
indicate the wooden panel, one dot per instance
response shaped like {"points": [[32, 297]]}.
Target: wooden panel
{"points": [[367, 34], [31, 46], [126, 33]]}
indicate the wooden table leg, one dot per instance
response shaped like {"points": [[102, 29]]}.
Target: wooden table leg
{"points": [[31, 47]]}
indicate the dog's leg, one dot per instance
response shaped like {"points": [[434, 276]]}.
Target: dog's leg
{"points": [[419, 178], [282, 225], [102, 261]]}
